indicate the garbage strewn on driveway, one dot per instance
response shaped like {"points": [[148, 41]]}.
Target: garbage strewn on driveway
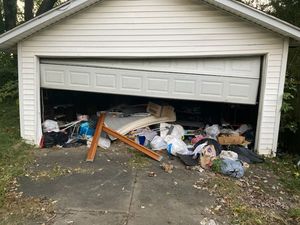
{"points": [[152, 129]]}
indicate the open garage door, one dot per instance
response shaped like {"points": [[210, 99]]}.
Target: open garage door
{"points": [[233, 80]]}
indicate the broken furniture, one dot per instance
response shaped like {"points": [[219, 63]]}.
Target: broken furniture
{"points": [[101, 127]]}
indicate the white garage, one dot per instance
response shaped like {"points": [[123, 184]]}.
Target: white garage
{"points": [[200, 50]]}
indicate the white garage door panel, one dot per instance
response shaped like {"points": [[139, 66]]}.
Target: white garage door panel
{"points": [[224, 89], [80, 79], [131, 83], [54, 77], [149, 83], [185, 87], [106, 81], [212, 88], [157, 84], [247, 67]]}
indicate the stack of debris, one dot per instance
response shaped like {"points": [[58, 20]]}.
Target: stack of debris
{"points": [[215, 147], [150, 128]]}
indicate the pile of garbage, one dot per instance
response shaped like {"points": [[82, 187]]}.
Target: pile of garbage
{"points": [[214, 147]]}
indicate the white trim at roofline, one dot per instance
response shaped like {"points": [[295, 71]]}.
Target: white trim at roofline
{"points": [[12, 37], [258, 17]]}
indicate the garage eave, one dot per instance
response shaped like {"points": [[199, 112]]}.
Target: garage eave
{"points": [[256, 16]]}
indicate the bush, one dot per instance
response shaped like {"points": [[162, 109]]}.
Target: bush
{"points": [[8, 76]]}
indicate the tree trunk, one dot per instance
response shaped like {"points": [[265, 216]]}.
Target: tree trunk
{"points": [[10, 13], [2, 24], [28, 12], [45, 6]]}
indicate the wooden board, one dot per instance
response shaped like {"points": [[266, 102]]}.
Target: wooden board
{"points": [[101, 127], [92, 151]]}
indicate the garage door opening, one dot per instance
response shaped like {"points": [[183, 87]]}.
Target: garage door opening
{"points": [[64, 106], [205, 97]]}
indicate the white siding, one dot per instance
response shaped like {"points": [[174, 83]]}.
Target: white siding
{"points": [[155, 28]]}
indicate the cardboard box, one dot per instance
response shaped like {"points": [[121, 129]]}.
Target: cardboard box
{"points": [[231, 140], [159, 110]]}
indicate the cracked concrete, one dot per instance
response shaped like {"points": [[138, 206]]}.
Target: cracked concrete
{"points": [[117, 193]]}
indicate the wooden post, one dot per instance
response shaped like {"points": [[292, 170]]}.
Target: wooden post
{"points": [[133, 144], [92, 151]]}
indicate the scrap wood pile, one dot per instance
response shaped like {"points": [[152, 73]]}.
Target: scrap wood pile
{"points": [[151, 128]]}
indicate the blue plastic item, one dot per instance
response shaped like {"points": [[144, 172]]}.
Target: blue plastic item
{"points": [[232, 168], [142, 140], [85, 130]]}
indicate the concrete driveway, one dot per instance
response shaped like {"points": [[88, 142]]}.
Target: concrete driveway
{"points": [[117, 188]]}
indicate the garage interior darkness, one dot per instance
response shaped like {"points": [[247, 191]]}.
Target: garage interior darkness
{"points": [[64, 105]]}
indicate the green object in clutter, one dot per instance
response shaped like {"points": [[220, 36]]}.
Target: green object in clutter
{"points": [[216, 165]]}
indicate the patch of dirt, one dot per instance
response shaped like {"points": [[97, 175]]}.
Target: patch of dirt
{"points": [[22, 210], [57, 171], [257, 198]]}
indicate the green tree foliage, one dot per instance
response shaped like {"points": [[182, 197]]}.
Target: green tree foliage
{"points": [[13, 13], [289, 10], [28, 9], [8, 76], [10, 13]]}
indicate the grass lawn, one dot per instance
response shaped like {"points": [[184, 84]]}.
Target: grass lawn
{"points": [[14, 153], [269, 193]]}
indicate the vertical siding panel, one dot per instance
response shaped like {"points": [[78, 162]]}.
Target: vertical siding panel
{"points": [[27, 88]]}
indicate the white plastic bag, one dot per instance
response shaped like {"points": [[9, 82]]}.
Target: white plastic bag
{"points": [[213, 131], [50, 126], [177, 130], [147, 133], [104, 142], [243, 128], [229, 155], [176, 146], [158, 143]]}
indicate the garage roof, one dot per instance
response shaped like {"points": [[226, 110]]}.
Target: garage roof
{"points": [[12, 37]]}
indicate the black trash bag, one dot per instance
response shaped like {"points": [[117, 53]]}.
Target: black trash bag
{"points": [[54, 138], [188, 160], [246, 154]]}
